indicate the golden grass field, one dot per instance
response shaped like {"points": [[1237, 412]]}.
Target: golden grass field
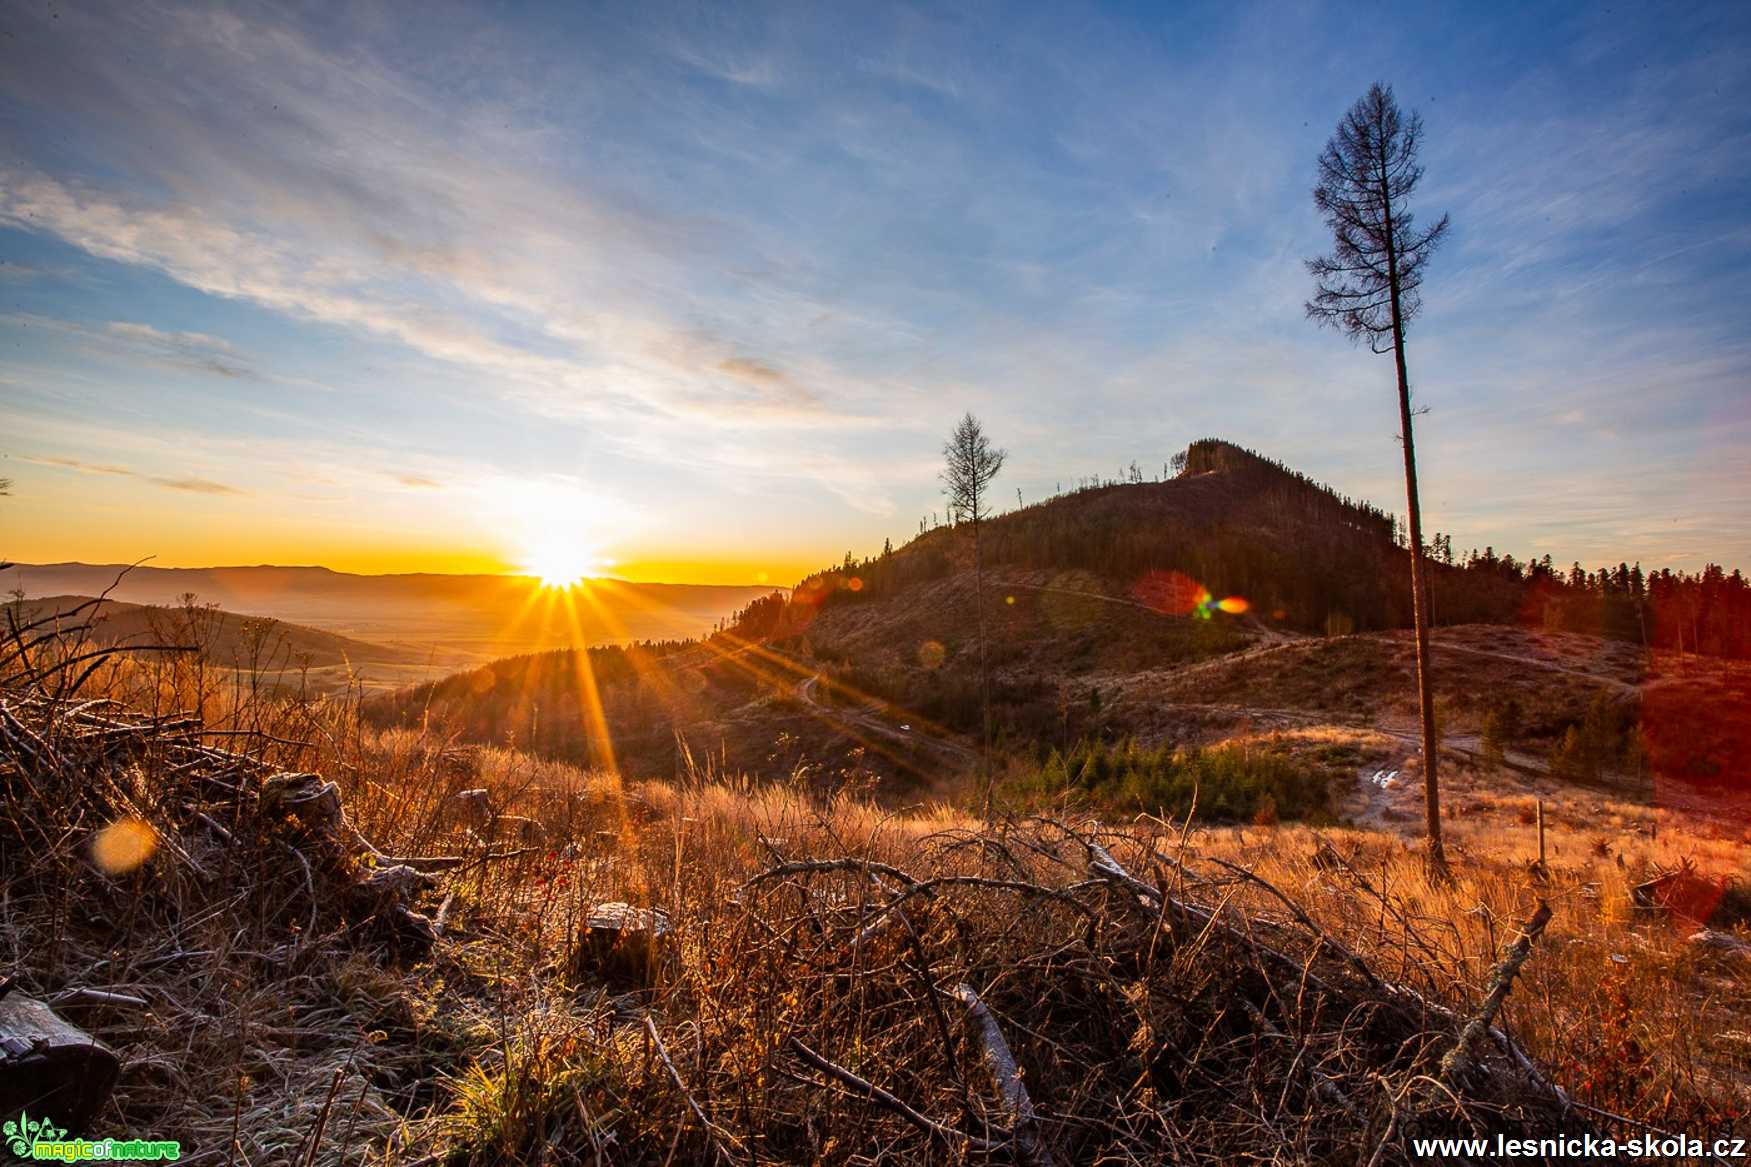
{"points": [[1214, 1017]]}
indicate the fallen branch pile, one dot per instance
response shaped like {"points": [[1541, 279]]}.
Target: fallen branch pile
{"points": [[180, 901], [1042, 992], [1036, 998]]}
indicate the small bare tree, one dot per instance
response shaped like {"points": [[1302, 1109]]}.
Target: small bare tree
{"points": [[970, 464], [1369, 289], [6, 489]]}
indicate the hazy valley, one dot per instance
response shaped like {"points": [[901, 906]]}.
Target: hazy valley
{"points": [[334, 629]]}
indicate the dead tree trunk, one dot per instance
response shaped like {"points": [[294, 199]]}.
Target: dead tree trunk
{"points": [[1419, 576], [985, 776], [49, 1068]]}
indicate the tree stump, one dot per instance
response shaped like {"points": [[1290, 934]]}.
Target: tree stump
{"points": [[50, 1068], [623, 947], [1681, 892]]}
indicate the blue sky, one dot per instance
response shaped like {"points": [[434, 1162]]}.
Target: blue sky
{"points": [[703, 288]]}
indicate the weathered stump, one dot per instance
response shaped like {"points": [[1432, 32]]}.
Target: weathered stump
{"points": [[1709, 940], [308, 798], [623, 947], [386, 896], [1681, 892], [50, 1068]]}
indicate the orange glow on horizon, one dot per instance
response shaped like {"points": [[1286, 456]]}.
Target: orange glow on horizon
{"points": [[522, 532], [432, 561]]}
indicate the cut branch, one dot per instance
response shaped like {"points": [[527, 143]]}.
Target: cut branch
{"points": [[1007, 1074], [1458, 1059], [882, 1097]]}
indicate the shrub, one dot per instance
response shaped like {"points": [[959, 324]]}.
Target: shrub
{"points": [[1502, 726], [1606, 738], [1230, 783]]}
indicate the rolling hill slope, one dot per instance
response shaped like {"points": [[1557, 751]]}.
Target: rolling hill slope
{"points": [[225, 636], [1106, 623]]}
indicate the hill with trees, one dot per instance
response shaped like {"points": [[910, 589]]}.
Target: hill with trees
{"points": [[1171, 612], [1301, 555]]}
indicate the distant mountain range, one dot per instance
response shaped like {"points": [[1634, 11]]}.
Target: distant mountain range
{"points": [[224, 636], [480, 615]]}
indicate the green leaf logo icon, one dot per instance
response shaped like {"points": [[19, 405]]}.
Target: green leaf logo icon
{"points": [[17, 1135]]}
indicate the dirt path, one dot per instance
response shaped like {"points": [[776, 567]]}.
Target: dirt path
{"points": [[1085, 594], [1275, 639], [1540, 662], [1268, 636], [872, 718]]}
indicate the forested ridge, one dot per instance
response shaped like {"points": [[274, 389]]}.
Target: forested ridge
{"points": [[1227, 523], [1301, 555]]}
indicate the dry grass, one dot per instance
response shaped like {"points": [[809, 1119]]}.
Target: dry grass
{"points": [[1616, 1001], [1203, 1020]]}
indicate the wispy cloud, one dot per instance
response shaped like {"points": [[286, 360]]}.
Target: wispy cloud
{"points": [[188, 485], [196, 351], [178, 341], [11, 271], [195, 485], [751, 69], [760, 254], [82, 467], [348, 196], [904, 72]]}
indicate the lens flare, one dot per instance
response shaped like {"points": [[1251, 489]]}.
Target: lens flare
{"points": [[123, 846], [1174, 593]]}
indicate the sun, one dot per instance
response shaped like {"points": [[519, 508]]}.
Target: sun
{"points": [[560, 563], [554, 529]]}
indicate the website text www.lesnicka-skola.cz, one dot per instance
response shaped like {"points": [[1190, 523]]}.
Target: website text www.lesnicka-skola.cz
{"points": [[1583, 1147]]}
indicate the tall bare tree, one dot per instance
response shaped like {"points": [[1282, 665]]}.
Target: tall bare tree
{"points": [[970, 464], [1369, 288]]}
